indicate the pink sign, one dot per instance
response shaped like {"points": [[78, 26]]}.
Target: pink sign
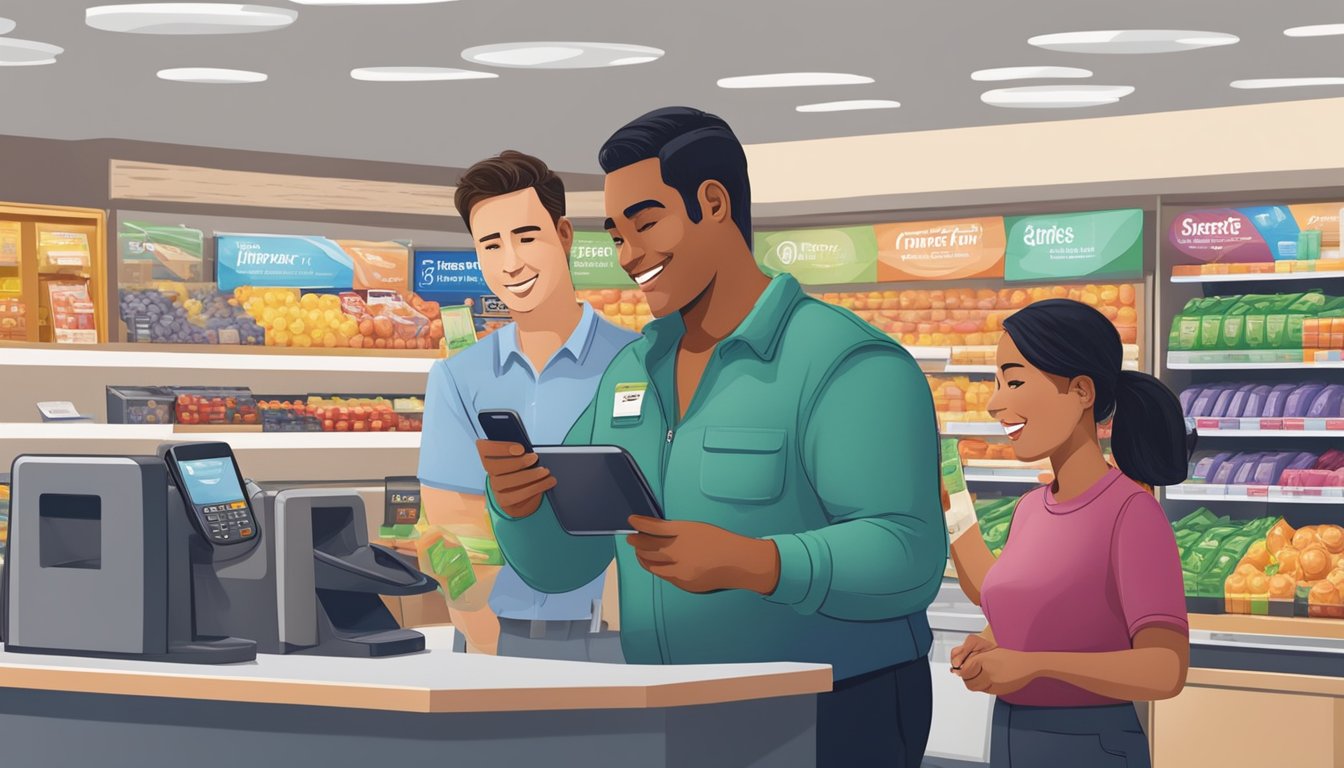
{"points": [[1219, 234]]}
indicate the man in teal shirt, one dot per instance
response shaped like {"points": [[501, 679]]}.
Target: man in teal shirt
{"points": [[793, 448]]}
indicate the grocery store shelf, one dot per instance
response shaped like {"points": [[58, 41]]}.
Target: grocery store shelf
{"points": [[1260, 494], [1246, 278], [973, 428], [42, 435], [219, 357], [1018, 476], [1241, 360], [1271, 433], [1128, 365], [1268, 625]]}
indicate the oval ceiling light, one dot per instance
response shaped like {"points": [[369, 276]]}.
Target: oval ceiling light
{"points": [[27, 53], [1132, 41], [1056, 96], [1286, 82], [849, 106], [552, 55], [211, 76], [1028, 73], [793, 80], [416, 74], [188, 18], [1315, 30], [368, 2], [6, 25]]}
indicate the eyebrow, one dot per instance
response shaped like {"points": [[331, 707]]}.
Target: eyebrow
{"points": [[522, 230], [493, 236], [1006, 366], [642, 205], [609, 224]]}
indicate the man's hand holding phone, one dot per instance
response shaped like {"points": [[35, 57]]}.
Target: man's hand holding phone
{"points": [[517, 480]]}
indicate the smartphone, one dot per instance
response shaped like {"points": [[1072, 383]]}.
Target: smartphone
{"points": [[504, 426]]}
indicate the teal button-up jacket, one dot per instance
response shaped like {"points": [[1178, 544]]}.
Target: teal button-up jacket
{"points": [[810, 428]]}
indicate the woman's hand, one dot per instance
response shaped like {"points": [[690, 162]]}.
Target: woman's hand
{"points": [[998, 671], [974, 644]]}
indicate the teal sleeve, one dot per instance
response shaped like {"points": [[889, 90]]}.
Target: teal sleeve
{"points": [[870, 449], [538, 549]]}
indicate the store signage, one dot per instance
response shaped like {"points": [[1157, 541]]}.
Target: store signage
{"points": [[594, 262], [282, 261], [1095, 244], [940, 250], [447, 271], [820, 256]]}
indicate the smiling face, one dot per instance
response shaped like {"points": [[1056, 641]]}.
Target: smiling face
{"points": [[672, 258], [524, 255], [1039, 411]]}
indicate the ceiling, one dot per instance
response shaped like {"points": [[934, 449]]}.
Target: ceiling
{"points": [[920, 54]]}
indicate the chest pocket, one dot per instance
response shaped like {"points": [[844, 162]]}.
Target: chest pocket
{"points": [[744, 465]]}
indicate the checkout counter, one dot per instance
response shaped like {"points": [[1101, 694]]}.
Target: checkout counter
{"points": [[114, 578]]}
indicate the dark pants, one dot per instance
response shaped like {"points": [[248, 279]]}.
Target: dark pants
{"points": [[1056, 737], [878, 719]]}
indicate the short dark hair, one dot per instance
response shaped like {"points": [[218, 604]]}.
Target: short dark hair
{"points": [[509, 172], [692, 147]]}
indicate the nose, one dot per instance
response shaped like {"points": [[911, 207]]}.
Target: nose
{"points": [[511, 264], [629, 254], [996, 406]]}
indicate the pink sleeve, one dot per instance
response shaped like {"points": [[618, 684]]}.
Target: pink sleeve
{"points": [[1147, 567]]}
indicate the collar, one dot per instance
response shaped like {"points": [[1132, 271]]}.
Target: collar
{"points": [[759, 331], [576, 346]]}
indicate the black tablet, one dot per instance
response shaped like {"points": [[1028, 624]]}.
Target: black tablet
{"points": [[597, 488]]}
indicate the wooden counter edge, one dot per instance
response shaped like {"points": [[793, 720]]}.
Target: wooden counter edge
{"points": [[415, 700], [1278, 682]]}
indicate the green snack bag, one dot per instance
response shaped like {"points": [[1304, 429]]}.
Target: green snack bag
{"points": [[1201, 520], [1234, 324], [459, 328], [1186, 539], [486, 550], [1201, 555], [453, 565]]}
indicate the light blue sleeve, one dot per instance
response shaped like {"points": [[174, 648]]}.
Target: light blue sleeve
{"points": [[448, 458]]}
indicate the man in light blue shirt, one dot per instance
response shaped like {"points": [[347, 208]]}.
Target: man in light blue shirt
{"points": [[545, 366]]}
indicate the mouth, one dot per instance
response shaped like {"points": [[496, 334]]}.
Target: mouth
{"points": [[648, 276], [1013, 431], [523, 288]]}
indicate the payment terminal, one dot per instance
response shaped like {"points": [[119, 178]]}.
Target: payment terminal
{"points": [[211, 485]]}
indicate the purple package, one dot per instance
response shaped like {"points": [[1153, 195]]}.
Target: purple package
{"points": [[1219, 408], [1246, 469], [1271, 467], [1295, 407], [1203, 405], [1228, 470], [1187, 398], [1206, 467], [1255, 402], [1275, 401], [1327, 403], [1237, 407]]}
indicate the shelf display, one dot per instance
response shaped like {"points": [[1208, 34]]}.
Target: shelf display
{"points": [[150, 252], [140, 405], [626, 308], [215, 407], [1302, 322], [13, 319]]}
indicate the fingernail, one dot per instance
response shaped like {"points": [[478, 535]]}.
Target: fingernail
{"points": [[516, 450]]}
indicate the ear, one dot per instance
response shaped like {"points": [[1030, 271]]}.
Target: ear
{"points": [[715, 204], [565, 229], [1084, 389]]}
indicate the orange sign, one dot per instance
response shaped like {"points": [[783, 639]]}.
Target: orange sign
{"points": [[1322, 216], [940, 250]]}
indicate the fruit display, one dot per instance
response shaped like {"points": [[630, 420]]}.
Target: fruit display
{"points": [[1299, 469], [960, 398], [627, 308], [1292, 321], [979, 449], [287, 414], [1211, 549], [1298, 571], [359, 414], [13, 320], [234, 407], [974, 317], [224, 320], [151, 315], [140, 405]]}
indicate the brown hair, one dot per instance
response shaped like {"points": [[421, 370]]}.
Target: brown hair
{"points": [[510, 172]]}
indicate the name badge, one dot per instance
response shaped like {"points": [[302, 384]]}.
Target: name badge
{"points": [[629, 400]]}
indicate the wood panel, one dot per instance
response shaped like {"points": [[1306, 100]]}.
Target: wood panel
{"points": [[164, 183], [1209, 726]]}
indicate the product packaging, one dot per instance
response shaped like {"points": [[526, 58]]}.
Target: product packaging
{"points": [[72, 313], [451, 563], [401, 507], [153, 252], [216, 406], [10, 243], [139, 405], [459, 328], [379, 265], [13, 319], [961, 515], [60, 250]]}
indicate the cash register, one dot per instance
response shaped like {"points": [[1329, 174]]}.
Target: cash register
{"points": [[177, 558]]}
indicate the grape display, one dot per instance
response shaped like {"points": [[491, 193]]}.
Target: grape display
{"points": [[206, 317]]}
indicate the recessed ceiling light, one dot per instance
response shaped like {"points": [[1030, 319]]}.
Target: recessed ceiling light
{"points": [[1132, 41], [1056, 96], [211, 76], [27, 53], [188, 18], [1287, 82], [416, 74], [793, 79], [1316, 30], [849, 106], [1028, 73], [369, 2], [6, 25], [561, 55]]}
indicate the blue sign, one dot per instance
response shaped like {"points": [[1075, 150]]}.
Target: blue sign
{"points": [[282, 261], [447, 272]]}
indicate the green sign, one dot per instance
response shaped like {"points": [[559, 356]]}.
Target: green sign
{"points": [[1095, 244], [594, 263], [820, 256]]}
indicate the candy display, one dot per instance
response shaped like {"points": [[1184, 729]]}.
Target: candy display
{"points": [[140, 405], [1310, 320], [974, 317], [13, 320], [1300, 469], [216, 407], [625, 308], [72, 312], [1310, 399]]}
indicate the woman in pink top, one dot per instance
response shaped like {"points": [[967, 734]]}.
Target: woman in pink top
{"points": [[1086, 605]]}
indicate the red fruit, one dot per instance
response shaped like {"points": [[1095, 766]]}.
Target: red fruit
{"points": [[328, 425]]}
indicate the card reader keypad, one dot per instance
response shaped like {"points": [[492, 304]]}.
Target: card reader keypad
{"points": [[228, 522]]}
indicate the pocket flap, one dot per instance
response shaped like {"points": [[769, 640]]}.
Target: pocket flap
{"points": [[743, 440]]}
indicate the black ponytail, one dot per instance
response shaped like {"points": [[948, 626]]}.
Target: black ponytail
{"points": [[1068, 338]]}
